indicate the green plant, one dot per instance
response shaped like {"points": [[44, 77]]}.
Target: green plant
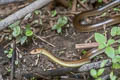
{"points": [[37, 12], [9, 52], [60, 23], [100, 1], [21, 35], [33, 78], [116, 9], [97, 73], [112, 76], [110, 51], [54, 13]]}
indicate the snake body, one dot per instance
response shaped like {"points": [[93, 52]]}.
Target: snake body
{"points": [[89, 55], [77, 22], [84, 28]]}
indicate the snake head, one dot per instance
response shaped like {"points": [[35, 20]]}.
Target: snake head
{"points": [[35, 51]]}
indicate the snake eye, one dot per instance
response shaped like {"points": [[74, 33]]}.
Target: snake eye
{"points": [[35, 50]]}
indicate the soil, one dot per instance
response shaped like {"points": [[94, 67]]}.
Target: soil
{"points": [[61, 45]]}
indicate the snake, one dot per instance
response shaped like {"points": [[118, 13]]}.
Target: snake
{"points": [[86, 59], [84, 28]]}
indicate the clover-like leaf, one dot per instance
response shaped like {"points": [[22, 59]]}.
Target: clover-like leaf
{"points": [[100, 72], [115, 31], [93, 73], [119, 50], [14, 24], [112, 77], [60, 23], [23, 39], [16, 31], [110, 52], [103, 63], [110, 41], [100, 38], [28, 31]]}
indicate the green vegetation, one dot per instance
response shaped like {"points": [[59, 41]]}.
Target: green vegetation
{"points": [[21, 35], [110, 51], [54, 13], [60, 23], [9, 52], [97, 73]]}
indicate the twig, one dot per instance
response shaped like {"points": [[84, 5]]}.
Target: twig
{"points": [[9, 1], [13, 61], [44, 40], [86, 45], [83, 5], [74, 5], [86, 41], [22, 12], [1, 78], [2, 37]]}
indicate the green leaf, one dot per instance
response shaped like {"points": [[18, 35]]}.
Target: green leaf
{"points": [[100, 1], [23, 39], [116, 9], [37, 12], [110, 41], [116, 66], [116, 52], [16, 62], [116, 59], [54, 27], [16, 31], [112, 77], [14, 24], [60, 23], [93, 73], [103, 63], [98, 79], [10, 51], [6, 51], [28, 33], [118, 31], [100, 72], [59, 30], [110, 52], [102, 45], [100, 38], [118, 41], [9, 55], [54, 13], [115, 31], [119, 50]]}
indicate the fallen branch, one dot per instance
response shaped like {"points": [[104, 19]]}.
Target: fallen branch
{"points": [[95, 65], [22, 12], [63, 71], [9, 1]]}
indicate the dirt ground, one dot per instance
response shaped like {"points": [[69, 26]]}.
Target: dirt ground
{"points": [[61, 45]]}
